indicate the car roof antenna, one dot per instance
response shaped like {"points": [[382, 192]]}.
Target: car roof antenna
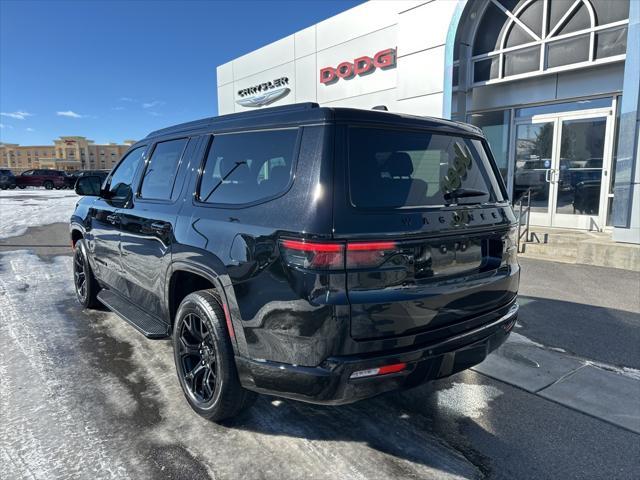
{"points": [[381, 107]]}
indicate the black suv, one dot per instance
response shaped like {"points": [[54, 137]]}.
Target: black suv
{"points": [[319, 254], [7, 179], [70, 179]]}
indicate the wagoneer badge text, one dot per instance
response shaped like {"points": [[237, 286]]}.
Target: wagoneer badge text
{"points": [[360, 66], [264, 93]]}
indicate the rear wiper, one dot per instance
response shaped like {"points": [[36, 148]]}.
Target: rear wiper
{"points": [[463, 193], [452, 196]]}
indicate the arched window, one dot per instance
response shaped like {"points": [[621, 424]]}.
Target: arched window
{"points": [[520, 38]]}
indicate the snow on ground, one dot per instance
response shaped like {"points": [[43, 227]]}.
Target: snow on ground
{"points": [[85, 396], [21, 209]]}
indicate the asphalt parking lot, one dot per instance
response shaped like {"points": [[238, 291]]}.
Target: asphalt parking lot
{"points": [[83, 395]]}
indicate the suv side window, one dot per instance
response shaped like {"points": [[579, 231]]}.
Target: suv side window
{"points": [[120, 180], [160, 173], [242, 168]]}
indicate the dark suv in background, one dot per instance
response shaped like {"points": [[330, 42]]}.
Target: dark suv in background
{"points": [[7, 179], [70, 179], [319, 254], [48, 179]]}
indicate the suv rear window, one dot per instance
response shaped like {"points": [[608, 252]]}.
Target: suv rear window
{"points": [[398, 168], [247, 167]]}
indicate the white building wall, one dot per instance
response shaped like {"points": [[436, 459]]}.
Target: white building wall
{"points": [[418, 30]]}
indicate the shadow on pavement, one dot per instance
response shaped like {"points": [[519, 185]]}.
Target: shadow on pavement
{"points": [[596, 333]]}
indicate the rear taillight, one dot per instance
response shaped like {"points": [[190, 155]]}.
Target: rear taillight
{"points": [[331, 256], [313, 255], [369, 254]]}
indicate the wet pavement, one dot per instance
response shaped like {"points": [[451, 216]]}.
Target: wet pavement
{"points": [[83, 395]]}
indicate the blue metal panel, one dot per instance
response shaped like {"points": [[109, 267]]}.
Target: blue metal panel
{"points": [[626, 179], [448, 58]]}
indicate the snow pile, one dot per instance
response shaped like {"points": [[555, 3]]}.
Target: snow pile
{"points": [[21, 209]]}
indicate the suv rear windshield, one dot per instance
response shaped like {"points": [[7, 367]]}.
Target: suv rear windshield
{"points": [[398, 168]]}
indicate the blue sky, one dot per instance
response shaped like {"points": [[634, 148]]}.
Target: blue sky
{"points": [[114, 70]]}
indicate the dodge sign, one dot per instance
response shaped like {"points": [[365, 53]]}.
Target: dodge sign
{"points": [[360, 66]]}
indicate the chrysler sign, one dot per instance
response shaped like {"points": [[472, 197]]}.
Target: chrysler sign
{"points": [[264, 93], [360, 66]]}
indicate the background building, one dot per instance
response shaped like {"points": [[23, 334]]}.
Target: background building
{"points": [[67, 153], [555, 85]]}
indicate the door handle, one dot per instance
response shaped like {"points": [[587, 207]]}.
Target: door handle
{"points": [[113, 219], [547, 175], [161, 227]]}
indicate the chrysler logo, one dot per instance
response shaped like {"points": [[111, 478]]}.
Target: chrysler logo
{"points": [[264, 93]]}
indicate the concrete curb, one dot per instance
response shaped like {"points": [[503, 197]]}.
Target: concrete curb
{"points": [[606, 392]]}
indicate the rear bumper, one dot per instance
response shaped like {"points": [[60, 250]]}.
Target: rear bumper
{"points": [[331, 384]]}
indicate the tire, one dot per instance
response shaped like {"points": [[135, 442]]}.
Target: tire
{"points": [[22, 187], [201, 344], [84, 282], [4, 187], [48, 185], [12, 187]]}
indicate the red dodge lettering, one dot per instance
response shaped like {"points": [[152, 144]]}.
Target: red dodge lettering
{"points": [[360, 66]]}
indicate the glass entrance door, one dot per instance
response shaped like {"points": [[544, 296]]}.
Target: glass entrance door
{"points": [[578, 175], [563, 161], [534, 151]]}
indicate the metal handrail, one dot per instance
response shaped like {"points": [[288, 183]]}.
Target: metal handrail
{"points": [[524, 210]]}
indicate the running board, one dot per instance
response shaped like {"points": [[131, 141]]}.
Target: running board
{"points": [[149, 326]]}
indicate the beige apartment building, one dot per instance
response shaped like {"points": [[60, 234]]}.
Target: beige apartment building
{"points": [[66, 153]]}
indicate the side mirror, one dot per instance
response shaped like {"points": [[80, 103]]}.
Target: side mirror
{"points": [[89, 185]]}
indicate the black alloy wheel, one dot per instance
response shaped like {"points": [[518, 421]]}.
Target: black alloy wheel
{"points": [[84, 282], [79, 275], [204, 358], [48, 185], [198, 358]]}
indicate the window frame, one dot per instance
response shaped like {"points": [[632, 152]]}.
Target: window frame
{"points": [[209, 144], [540, 41], [107, 180], [491, 169], [147, 160]]}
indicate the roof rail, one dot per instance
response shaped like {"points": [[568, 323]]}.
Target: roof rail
{"points": [[294, 107]]}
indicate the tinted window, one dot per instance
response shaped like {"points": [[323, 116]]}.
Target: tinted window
{"points": [[160, 174], [495, 126], [120, 181], [392, 169], [246, 167]]}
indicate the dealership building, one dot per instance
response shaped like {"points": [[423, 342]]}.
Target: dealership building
{"points": [[554, 84]]}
